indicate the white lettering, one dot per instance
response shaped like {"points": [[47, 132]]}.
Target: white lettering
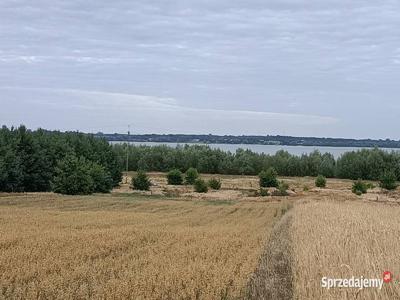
{"points": [[352, 282]]}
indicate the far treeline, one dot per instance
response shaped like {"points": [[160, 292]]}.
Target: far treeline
{"points": [[67, 163], [249, 139], [367, 164]]}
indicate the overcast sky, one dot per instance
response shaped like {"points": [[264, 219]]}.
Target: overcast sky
{"points": [[289, 67]]}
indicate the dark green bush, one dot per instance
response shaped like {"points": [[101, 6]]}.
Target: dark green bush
{"points": [[359, 187], [283, 187], [79, 176], [370, 185], [141, 182], [320, 181], [268, 178], [281, 190], [200, 186], [191, 175], [264, 192], [214, 183], [72, 176], [388, 180], [174, 177], [102, 181]]}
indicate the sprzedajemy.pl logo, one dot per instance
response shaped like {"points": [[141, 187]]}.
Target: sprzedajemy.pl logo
{"points": [[357, 282]]}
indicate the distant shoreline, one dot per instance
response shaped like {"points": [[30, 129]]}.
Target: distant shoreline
{"points": [[276, 140]]}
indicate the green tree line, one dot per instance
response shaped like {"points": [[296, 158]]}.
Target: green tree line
{"points": [[77, 163], [367, 164], [40, 160]]}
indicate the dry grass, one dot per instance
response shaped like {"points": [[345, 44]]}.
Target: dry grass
{"points": [[341, 239], [59, 247]]}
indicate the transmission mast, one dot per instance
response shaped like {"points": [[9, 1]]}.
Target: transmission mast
{"points": [[127, 153]]}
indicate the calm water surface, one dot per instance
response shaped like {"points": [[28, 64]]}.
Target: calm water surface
{"points": [[267, 149]]}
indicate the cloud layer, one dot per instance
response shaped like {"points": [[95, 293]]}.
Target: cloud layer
{"points": [[283, 67], [74, 109]]}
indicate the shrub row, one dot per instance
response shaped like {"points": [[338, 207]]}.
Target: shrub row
{"points": [[267, 179], [175, 177]]}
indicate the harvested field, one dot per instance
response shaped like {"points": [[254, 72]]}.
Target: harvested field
{"points": [[63, 247]]}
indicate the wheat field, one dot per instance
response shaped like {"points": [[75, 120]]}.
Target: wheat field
{"points": [[61, 247], [342, 238], [172, 243]]}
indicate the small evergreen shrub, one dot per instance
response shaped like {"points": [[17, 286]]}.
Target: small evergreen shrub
{"points": [[320, 181], [283, 187], [370, 185], [388, 180], [264, 192], [200, 186], [191, 175], [174, 177], [268, 178], [214, 183], [281, 190], [359, 187], [141, 182]]}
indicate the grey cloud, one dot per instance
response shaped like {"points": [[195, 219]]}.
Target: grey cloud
{"points": [[139, 109], [329, 57]]}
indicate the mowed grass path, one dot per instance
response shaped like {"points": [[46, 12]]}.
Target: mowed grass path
{"points": [[64, 247]]}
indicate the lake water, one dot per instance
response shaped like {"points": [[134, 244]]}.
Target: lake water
{"points": [[267, 149]]}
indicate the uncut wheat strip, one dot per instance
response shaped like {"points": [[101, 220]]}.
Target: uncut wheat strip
{"points": [[344, 239]]}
